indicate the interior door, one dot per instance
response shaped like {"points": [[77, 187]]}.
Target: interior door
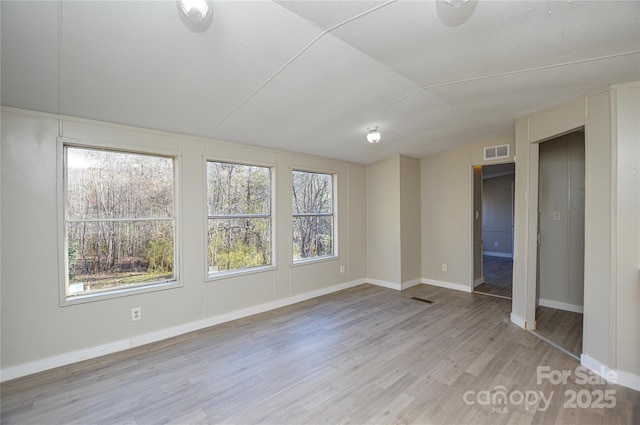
{"points": [[561, 222], [478, 247]]}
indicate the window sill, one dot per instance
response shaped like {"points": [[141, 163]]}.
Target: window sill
{"points": [[118, 293], [235, 273], [314, 260]]}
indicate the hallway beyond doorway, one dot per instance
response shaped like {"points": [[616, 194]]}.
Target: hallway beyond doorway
{"points": [[498, 275]]}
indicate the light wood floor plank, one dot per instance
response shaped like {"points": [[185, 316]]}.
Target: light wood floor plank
{"points": [[498, 276], [363, 355], [561, 327]]}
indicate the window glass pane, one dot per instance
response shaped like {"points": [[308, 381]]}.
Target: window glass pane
{"points": [[106, 185], [239, 243], [312, 215], [238, 189], [312, 193], [119, 220], [236, 242], [312, 236], [113, 254]]}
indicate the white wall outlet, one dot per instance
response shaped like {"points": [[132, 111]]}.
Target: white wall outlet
{"points": [[495, 244], [444, 267], [341, 269], [136, 314]]}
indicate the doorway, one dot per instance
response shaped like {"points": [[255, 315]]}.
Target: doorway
{"points": [[561, 241], [493, 229]]}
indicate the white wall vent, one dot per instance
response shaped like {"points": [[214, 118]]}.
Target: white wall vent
{"points": [[496, 152]]}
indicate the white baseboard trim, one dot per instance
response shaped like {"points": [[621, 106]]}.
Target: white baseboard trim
{"points": [[448, 285], [619, 377], [409, 284], [62, 360], [479, 281], [497, 254], [560, 305], [25, 369], [356, 282], [629, 380], [518, 320], [385, 284]]}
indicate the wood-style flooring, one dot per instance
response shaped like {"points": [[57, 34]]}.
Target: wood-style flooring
{"points": [[364, 355], [498, 276], [560, 327]]}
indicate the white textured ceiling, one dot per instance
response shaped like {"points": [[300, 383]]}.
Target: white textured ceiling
{"points": [[312, 76]]}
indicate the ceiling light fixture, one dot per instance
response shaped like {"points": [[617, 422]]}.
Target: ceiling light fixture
{"points": [[197, 11], [373, 136], [456, 3]]}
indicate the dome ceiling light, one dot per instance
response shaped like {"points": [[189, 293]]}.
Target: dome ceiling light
{"points": [[456, 3], [373, 136], [196, 11]]}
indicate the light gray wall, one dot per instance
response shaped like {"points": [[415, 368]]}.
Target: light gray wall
{"points": [[594, 113], [497, 212], [561, 221], [447, 212], [627, 314], [410, 219], [611, 312], [383, 221], [393, 216], [357, 249], [37, 333]]}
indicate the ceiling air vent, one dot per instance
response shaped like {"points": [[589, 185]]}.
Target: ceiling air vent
{"points": [[496, 152]]}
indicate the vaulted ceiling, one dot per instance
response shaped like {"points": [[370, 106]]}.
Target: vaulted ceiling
{"points": [[312, 76]]}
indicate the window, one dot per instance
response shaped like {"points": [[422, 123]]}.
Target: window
{"points": [[119, 220], [313, 218], [239, 217]]}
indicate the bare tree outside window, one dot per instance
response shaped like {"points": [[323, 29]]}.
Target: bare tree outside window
{"points": [[312, 215], [119, 217], [239, 216]]}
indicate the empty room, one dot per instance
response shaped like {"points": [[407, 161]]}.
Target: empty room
{"points": [[304, 212]]}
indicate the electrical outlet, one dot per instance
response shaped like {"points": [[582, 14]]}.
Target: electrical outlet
{"points": [[495, 244], [341, 269], [136, 314], [444, 267]]}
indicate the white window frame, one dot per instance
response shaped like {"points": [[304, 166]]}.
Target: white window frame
{"points": [[176, 282], [272, 216], [334, 214]]}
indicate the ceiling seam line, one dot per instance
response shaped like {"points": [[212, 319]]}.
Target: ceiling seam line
{"points": [[539, 68], [503, 74], [296, 56], [468, 80]]}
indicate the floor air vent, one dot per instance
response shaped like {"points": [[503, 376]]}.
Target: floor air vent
{"points": [[422, 299]]}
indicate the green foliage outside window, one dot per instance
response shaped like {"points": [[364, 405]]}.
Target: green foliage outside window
{"points": [[239, 216], [312, 215], [119, 219]]}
